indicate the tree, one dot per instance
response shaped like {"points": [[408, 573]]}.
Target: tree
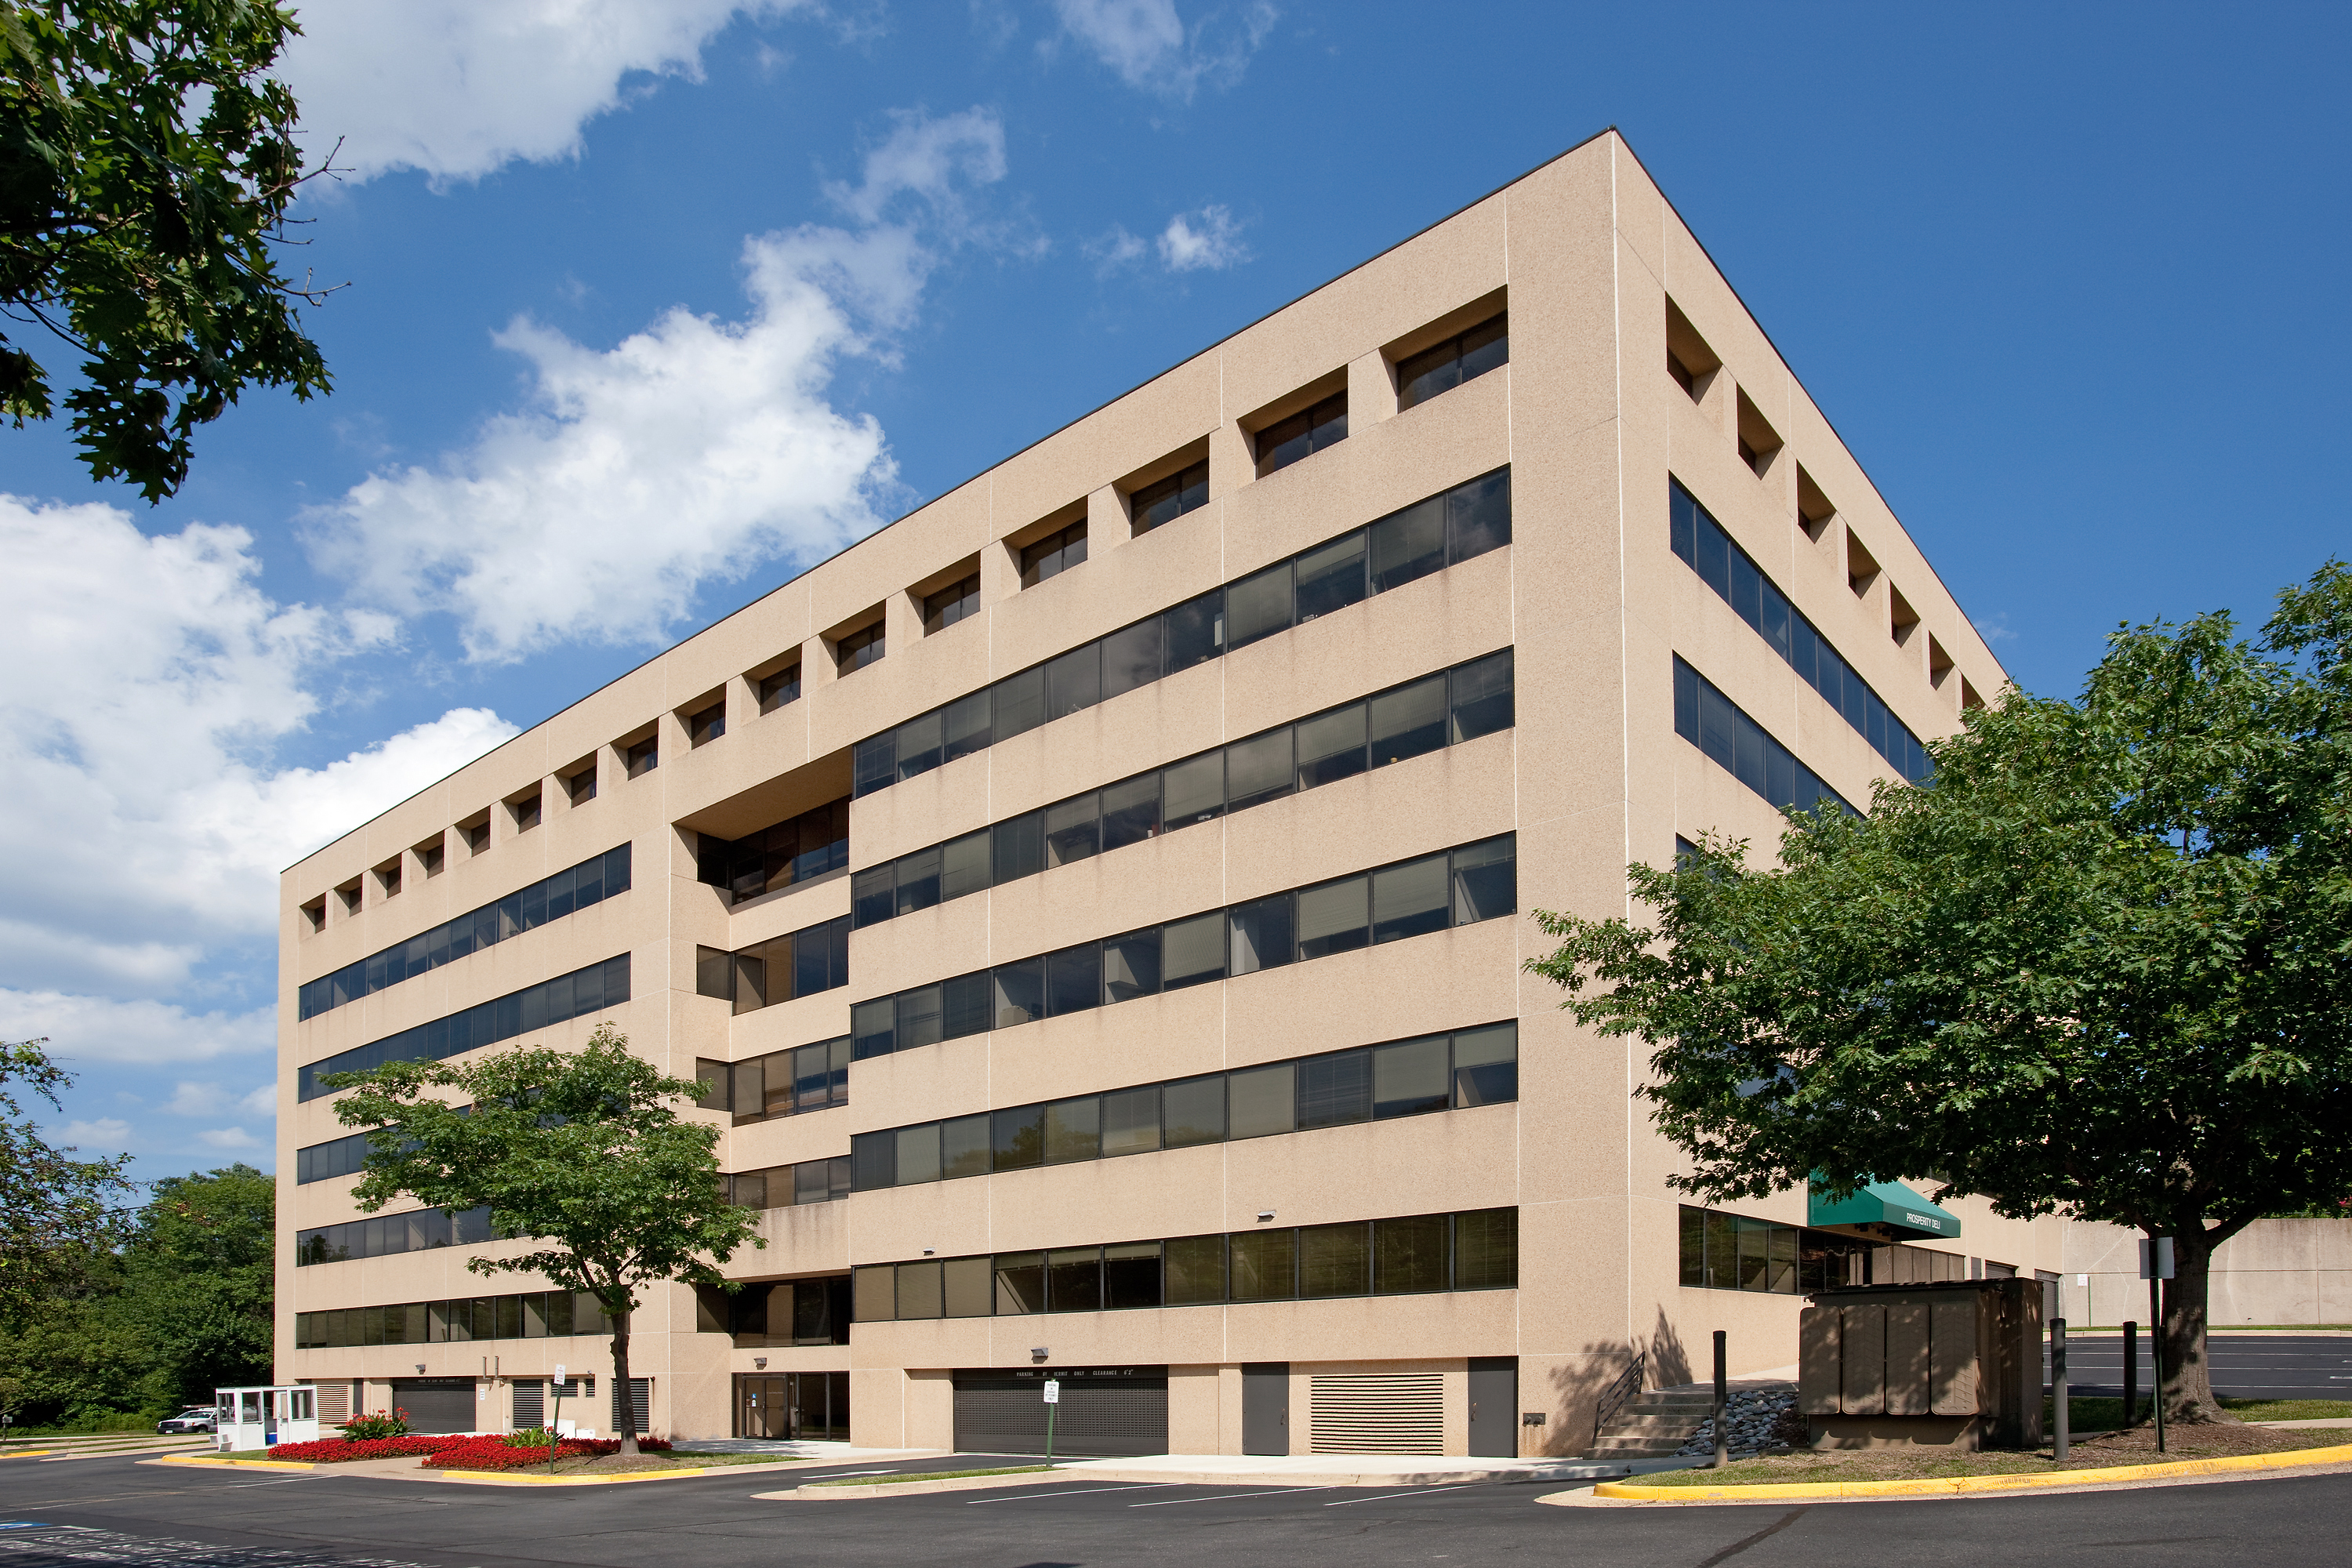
{"points": [[2100, 966], [146, 167], [582, 1151], [199, 1282], [55, 1212]]}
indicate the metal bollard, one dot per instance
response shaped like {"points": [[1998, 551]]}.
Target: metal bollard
{"points": [[2058, 1400], [2131, 1372], [1722, 1393]]}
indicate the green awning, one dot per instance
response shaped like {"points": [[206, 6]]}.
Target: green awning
{"points": [[1884, 1206]]}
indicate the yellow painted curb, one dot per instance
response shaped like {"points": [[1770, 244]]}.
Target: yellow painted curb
{"points": [[213, 1463], [519, 1479], [1948, 1486], [31, 1454]]}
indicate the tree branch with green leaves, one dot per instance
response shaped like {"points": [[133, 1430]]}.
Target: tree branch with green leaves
{"points": [[147, 165], [2100, 966], [583, 1153]]}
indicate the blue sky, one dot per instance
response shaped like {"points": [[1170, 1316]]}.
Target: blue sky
{"points": [[650, 307]]}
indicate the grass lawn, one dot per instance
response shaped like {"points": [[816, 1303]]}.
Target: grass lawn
{"points": [[896, 1478], [2099, 1451]]}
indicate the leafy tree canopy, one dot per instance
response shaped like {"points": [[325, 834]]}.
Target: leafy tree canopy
{"points": [[146, 165], [2100, 967], [582, 1151], [56, 1211]]}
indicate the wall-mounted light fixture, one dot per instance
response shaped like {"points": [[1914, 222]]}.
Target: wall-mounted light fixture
{"points": [[1263, 1216], [420, 1369], [760, 1360], [1037, 1352]]}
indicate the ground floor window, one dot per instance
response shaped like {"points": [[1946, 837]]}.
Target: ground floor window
{"points": [[1732, 1252]]}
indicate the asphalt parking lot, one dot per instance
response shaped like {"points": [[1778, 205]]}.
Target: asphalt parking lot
{"points": [[118, 1514], [2245, 1366]]}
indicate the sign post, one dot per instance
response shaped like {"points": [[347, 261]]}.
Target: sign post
{"points": [[2131, 1372], [1053, 1403], [554, 1419], [2154, 1267]]}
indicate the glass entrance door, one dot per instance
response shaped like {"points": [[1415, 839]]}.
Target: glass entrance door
{"points": [[794, 1406]]}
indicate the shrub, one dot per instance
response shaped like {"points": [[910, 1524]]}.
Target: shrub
{"points": [[345, 1450], [390, 1423], [529, 1437], [502, 1453]]}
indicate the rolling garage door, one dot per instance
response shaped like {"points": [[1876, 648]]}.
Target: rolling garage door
{"points": [[435, 1403], [1105, 1410]]}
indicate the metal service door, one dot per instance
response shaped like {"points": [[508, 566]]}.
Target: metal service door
{"points": [[1105, 1410], [1265, 1407], [1495, 1406], [435, 1403]]}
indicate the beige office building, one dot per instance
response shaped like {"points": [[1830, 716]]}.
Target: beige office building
{"points": [[1096, 903]]}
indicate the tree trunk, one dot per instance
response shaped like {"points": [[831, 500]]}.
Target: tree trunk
{"points": [[625, 1418], [2188, 1376]]}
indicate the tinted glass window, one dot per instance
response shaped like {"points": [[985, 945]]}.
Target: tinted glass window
{"points": [[1264, 1266], [1074, 980], [1408, 544], [1410, 1255], [1130, 1122], [1331, 577], [1131, 1274], [1335, 1090], [1332, 918], [918, 1154], [1074, 1280], [1409, 721], [964, 1147], [1018, 1137], [1409, 899], [1486, 881], [1257, 770], [1410, 1076], [1131, 812], [1192, 952], [1073, 682], [1193, 790], [1195, 1270], [1133, 658], [1331, 746], [965, 1287], [1131, 967], [963, 865], [1071, 831], [1481, 695], [1335, 1261], [1263, 935], [1258, 606], [1195, 1110], [1017, 704], [1478, 516], [1020, 1283], [1019, 848], [1486, 1250], [1020, 992], [1487, 1066], [1262, 1100], [1196, 630], [965, 727]]}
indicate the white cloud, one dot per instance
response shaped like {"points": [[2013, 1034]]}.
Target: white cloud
{"points": [[458, 87], [1209, 239], [694, 451], [212, 1099], [86, 1029], [105, 1135], [229, 1138], [1145, 42], [145, 684], [1112, 251]]}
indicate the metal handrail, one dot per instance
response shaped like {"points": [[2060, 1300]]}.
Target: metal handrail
{"points": [[1613, 1398]]}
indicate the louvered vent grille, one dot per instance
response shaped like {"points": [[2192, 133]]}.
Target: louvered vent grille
{"points": [[1378, 1413]]}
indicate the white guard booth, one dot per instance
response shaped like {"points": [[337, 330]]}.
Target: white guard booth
{"points": [[260, 1416]]}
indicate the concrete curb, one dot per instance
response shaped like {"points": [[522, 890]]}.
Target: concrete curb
{"points": [[211, 1463], [2241, 1465], [1465, 1475], [913, 1488]]}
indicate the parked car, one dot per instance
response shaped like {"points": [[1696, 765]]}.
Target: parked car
{"points": [[195, 1418]]}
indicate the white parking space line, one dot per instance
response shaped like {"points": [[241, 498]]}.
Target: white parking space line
{"points": [[1424, 1492], [1080, 1491], [1221, 1497]]}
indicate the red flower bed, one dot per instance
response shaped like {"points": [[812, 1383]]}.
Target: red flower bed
{"points": [[341, 1450], [497, 1454]]}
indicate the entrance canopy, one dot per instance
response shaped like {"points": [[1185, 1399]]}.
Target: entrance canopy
{"points": [[1888, 1210]]}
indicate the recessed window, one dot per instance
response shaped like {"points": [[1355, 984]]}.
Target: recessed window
{"points": [[951, 604], [706, 726], [1165, 500], [860, 649], [314, 915], [581, 786], [526, 809], [430, 857], [387, 877], [1286, 441], [350, 896], [1861, 567], [476, 834], [1484, 347], [1758, 440], [1688, 359], [1058, 552], [643, 757], [779, 689]]}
